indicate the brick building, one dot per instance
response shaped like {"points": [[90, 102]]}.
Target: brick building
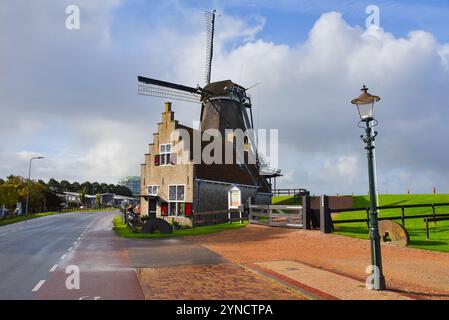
{"points": [[175, 190]]}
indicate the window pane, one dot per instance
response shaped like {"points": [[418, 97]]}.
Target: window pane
{"points": [[181, 209], [152, 190], [180, 193], [163, 159], [172, 208], [168, 148], [162, 148], [172, 193], [167, 158]]}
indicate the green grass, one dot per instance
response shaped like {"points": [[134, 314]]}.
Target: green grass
{"points": [[12, 220], [124, 231], [283, 200], [439, 233]]}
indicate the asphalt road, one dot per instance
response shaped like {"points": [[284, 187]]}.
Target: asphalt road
{"points": [[37, 258]]}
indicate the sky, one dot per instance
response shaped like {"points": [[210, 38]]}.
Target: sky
{"points": [[71, 95]]}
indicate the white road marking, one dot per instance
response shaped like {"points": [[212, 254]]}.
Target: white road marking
{"points": [[79, 238], [63, 257], [53, 268], [75, 243], [38, 286], [70, 249]]}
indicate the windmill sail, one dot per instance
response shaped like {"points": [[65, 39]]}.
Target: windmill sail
{"points": [[210, 29], [168, 90]]}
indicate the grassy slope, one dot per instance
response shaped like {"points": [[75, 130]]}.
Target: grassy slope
{"points": [[123, 231], [439, 233], [283, 200], [7, 221]]}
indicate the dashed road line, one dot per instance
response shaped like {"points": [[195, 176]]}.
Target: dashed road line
{"points": [[70, 249], [63, 256], [53, 268], [38, 286]]}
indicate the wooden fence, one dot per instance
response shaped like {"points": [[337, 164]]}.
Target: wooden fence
{"points": [[218, 216], [401, 217], [276, 215]]}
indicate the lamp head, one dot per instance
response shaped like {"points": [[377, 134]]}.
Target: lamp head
{"points": [[365, 104]]}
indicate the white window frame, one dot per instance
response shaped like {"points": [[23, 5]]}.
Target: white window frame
{"points": [[162, 159], [152, 186], [176, 185], [177, 201]]}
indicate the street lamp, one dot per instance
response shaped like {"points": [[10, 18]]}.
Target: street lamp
{"points": [[28, 187], [365, 106]]}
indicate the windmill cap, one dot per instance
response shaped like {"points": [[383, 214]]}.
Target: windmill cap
{"points": [[219, 88]]}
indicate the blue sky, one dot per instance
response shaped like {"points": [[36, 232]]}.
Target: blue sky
{"points": [[71, 95], [288, 21]]}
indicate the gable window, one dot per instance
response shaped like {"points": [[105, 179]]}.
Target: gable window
{"points": [[165, 154], [176, 195], [152, 190]]}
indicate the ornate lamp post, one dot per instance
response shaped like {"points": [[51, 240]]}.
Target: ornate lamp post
{"points": [[365, 106], [28, 187]]}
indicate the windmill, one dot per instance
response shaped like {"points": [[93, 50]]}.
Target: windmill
{"points": [[224, 104]]}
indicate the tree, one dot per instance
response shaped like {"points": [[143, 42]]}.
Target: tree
{"points": [[98, 199], [54, 186], [104, 188], [75, 187], [123, 191], [9, 195], [15, 190], [88, 186], [111, 188], [64, 186], [82, 193], [52, 201], [96, 187]]}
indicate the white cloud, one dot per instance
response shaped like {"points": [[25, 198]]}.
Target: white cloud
{"points": [[345, 169], [81, 95]]}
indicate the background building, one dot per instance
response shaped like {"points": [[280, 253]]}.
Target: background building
{"points": [[132, 183]]}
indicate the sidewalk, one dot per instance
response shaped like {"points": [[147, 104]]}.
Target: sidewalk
{"points": [[223, 281], [418, 273], [315, 283]]}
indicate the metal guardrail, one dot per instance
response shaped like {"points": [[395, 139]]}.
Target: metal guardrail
{"points": [[290, 192], [276, 216]]}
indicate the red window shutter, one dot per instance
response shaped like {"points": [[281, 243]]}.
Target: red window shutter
{"points": [[164, 209], [188, 209], [157, 159]]}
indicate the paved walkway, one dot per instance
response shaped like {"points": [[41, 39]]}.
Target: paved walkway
{"points": [[223, 281], [418, 273], [320, 284]]}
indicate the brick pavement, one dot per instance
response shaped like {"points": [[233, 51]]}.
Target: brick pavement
{"points": [[210, 281]]}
